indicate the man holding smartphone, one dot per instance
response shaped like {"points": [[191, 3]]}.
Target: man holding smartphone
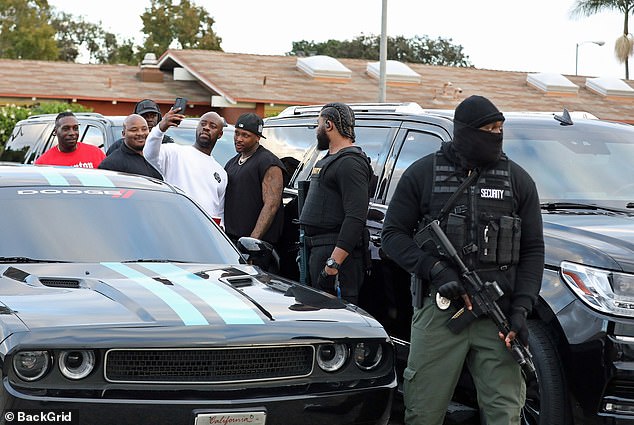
{"points": [[191, 168]]}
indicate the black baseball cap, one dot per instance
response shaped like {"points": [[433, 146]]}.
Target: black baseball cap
{"points": [[251, 122], [147, 105]]}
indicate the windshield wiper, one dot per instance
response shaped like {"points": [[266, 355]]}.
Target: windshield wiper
{"points": [[27, 260], [552, 206], [154, 260]]}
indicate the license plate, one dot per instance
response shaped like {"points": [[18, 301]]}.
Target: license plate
{"points": [[231, 418]]}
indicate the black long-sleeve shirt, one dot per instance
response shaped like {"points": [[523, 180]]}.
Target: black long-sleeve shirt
{"points": [[411, 202]]}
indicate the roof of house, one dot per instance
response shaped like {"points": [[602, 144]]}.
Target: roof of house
{"points": [[277, 79], [67, 80], [248, 78]]}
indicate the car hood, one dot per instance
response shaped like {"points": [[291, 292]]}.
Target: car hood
{"points": [[604, 240], [134, 295]]}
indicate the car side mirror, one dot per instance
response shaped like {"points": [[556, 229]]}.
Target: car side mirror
{"points": [[259, 253]]}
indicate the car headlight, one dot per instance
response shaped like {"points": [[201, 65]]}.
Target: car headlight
{"points": [[332, 357], [368, 355], [76, 364], [604, 290], [31, 365]]}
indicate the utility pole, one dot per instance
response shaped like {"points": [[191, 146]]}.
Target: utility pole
{"points": [[383, 52]]}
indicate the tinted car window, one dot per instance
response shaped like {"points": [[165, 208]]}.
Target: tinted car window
{"points": [[371, 139], [585, 163], [138, 225], [292, 142], [22, 140], [93, 136], [416, 145]]}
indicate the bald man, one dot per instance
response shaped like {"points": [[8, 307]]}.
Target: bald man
{"points": [[129, 157], [191, 168]]}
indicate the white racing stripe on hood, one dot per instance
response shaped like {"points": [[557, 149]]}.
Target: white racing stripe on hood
{"points": [[183, 308], [231, 308]]}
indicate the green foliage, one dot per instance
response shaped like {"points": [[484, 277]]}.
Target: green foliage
{"points": [[419, 49], [73, 33], [11, 114], [25, 31], [187, 24]]}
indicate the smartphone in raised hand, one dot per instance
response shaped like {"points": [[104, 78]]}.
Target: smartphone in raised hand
{"points": [[181, 104]]}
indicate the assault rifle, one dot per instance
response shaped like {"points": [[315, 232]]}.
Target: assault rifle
{"points": [[483, 296]]}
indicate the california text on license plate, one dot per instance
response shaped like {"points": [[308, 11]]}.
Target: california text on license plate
{"points": [[224, 418]]}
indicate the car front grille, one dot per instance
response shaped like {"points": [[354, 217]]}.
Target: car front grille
{"points": [[620, 388], [222, 365]]}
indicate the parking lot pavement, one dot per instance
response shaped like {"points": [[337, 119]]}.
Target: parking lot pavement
{"points": [[468, 418]]}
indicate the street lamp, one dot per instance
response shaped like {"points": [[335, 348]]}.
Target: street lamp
{"points": [[598, 43]]}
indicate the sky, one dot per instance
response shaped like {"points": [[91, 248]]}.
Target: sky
{"points": [[533, 36]]}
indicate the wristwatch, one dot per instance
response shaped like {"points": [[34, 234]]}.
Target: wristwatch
{"points": [[331, 263]]}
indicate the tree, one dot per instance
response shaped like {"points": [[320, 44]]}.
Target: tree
{"points": [[74, 33], [419, 49], [624, 45], [188, 25], [25, 31]]}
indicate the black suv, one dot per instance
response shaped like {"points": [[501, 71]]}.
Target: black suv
{"points": [[582, 329]]}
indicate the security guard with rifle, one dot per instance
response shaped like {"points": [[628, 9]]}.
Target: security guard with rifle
{"points": [[466, 223]]}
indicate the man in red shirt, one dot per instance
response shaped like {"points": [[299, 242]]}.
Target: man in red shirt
{"points": [[69, 151]]}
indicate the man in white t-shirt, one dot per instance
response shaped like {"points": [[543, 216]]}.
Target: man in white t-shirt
{"points": [[191, 168]]}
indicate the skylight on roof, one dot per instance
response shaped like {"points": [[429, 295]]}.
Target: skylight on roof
{"points": [[552, 83], [609, 86], [395, 72], [324, 67]]}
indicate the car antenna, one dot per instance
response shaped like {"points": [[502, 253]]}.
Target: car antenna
{"points": [[564, 118]]}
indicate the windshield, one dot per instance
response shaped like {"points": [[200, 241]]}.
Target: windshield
{"points": [[93, 225], [581, 163]]}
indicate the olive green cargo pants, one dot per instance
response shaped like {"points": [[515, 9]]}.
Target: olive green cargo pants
{"points": [[435, 361]]}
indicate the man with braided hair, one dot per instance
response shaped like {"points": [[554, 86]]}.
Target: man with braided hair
{"points": [[336, 206]]}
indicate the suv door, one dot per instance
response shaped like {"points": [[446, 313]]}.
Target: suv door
{"points": [[383, 295]]}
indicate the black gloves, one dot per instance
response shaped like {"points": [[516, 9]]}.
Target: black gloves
{"points": [[518, 324], [451, 290], [446, 280]]}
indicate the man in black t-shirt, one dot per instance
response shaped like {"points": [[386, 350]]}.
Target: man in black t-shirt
{"points": [[253, 199]]}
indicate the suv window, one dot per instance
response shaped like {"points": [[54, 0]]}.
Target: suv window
{"points": [[22, 140], [93, 136], [371, 139], [416, 145], [290, 142]]}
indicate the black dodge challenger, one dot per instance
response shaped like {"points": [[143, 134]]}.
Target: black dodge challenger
{"points": [[121, 302]]}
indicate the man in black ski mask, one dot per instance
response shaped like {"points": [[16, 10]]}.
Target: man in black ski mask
{"points": [[475, 192], [477, 133]]}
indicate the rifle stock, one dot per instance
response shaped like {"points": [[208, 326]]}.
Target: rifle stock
{"points": [[483, 295]]}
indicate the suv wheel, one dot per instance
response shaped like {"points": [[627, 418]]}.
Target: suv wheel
{"points": [[546, 401]]}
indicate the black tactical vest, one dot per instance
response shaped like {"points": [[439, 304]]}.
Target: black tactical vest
{"points": [[323, 207], [481, 223]]}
